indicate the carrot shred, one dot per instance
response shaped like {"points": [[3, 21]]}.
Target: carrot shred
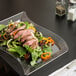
{"points": [[0, 35], [15, 33], [4, 36], [9, 25], [52, 41], [49, 38], [46, 42]]}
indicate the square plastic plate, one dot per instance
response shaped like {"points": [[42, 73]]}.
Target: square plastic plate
{"points": [[20, 66]]}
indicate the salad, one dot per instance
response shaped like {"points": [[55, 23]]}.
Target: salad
{"points": [[23, 41]]}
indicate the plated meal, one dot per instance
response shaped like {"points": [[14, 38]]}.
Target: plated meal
{"points": [[24, 41], [27, 46]]}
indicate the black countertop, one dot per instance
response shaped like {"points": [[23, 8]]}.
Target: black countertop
{"points": [[42, 12]]}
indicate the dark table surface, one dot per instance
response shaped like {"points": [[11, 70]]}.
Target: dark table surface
{"points": [[42, 12]]}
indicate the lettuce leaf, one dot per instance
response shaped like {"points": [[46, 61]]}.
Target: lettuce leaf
{"points": [[3, 43], [27, 24], [15, 47], [47, 49], [18, 49], [2, 27], [39, 35], [35, 53]]}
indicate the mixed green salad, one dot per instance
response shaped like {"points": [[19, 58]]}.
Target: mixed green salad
{"points": [[23, 40]]}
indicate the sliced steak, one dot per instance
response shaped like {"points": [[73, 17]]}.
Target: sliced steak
{"points": [[21, 28]]}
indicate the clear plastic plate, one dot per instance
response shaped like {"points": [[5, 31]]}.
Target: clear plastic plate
{"points": [[20, 66]]}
